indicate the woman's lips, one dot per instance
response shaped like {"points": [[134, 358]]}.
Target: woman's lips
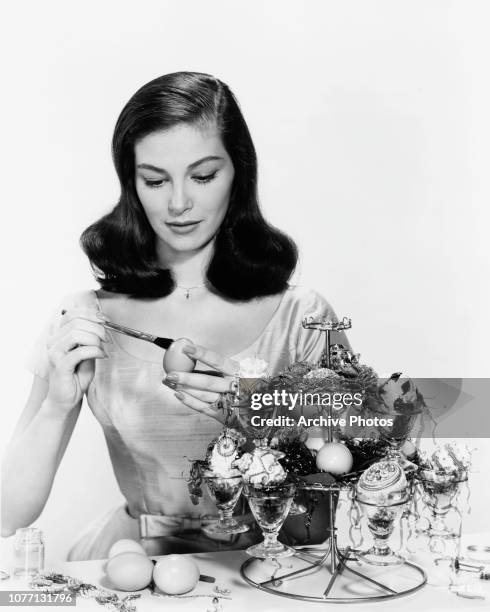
{"points": [[183, 228]]}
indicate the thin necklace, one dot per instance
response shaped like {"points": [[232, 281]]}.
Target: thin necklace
{"points": [[189, 289]]}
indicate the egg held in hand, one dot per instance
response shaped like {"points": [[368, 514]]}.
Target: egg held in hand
{"points": [[175, 574], [125, 545], [334, 458], [129, 571], [175, 360]]}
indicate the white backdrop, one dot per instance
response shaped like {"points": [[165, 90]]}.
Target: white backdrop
{"points": [[371, 124]]}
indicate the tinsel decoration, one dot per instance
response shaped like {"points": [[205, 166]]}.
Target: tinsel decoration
{"points": [[59, 583]]}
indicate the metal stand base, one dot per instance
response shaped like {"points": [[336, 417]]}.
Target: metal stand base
{"points": [[335, 563]]}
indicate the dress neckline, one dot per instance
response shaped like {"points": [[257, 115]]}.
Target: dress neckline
{"points": [[269, 324]]}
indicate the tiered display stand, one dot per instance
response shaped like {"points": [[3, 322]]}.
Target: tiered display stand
{"points": [[325, 567]]}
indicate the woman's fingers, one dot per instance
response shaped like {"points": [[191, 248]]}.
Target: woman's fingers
{"points": [[74, 338], [204, 382], [199, 406], [205, 396], [75, 323], [70, 360], [211, 358]]}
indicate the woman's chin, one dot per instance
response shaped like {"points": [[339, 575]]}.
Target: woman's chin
{"points": [[182, 244]]}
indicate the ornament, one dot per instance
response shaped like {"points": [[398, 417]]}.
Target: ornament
{"points": [[129, 571], [334, 458], [125, 545], [314, 444], [175, 360], [400, 395], [383, 484], [224, 452], [262, 466], [343, 361], [175, 574]]}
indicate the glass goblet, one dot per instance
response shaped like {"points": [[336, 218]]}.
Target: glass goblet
{"points": [[381, 523], [225, 491], [439, 491], [270, 506]]}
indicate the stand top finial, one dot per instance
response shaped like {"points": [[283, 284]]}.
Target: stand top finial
{"points": [[325, 324]]}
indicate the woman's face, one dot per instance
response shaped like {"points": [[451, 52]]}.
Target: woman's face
{"points": [[184, 178]]}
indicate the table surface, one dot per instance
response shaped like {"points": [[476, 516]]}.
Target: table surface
{"points": [[225, 568]]}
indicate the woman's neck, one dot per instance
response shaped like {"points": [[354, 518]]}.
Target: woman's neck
{"points": [[188, 268]]}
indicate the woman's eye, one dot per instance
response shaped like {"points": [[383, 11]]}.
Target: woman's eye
{"points": [[154, 183], [204, 178]]}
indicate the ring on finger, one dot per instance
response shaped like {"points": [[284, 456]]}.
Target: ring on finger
{"points": [[218, 404]]}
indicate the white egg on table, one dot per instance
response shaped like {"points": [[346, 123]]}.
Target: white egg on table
{"points": [[129, 571], [334, 458], [175, 360], [176, 574], [125, 545]]}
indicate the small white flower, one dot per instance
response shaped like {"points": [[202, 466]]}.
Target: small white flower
{"points": [[253, 367]]}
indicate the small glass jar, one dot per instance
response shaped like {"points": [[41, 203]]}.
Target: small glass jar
{"points": [[28, 552]]}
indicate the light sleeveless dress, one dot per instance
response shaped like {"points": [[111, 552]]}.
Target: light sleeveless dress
{"points": [[152, 437]]}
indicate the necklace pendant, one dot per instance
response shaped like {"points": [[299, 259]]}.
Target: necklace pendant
{"points": [[187, 293]]}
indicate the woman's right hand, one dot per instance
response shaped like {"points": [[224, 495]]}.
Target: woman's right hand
{"points": [[72, 350]]}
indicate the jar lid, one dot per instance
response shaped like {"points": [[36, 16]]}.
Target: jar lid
{"points": [[28, 534]]}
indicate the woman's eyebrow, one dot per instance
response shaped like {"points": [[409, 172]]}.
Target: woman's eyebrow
{"points": [[191, 166]]}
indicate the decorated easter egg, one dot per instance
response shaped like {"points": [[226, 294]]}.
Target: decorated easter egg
{"points": [[125, 545], [129, 571], [384, 483], [334, 458], [175, 574], [175, 360]]}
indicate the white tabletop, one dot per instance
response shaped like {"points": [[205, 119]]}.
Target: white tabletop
{"points": [[225, 568]]}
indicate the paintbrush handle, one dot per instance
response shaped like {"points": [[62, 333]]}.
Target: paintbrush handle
{"points": [[128, 331], [134, 333]]}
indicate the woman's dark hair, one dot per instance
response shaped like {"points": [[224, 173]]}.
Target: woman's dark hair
{"points": [[250, 258]]}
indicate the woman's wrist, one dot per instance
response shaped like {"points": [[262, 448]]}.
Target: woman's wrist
{"points": [[52, 409]]}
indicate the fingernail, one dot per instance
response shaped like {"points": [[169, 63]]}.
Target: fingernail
{"points": [[180, 396], [189, 349], [172, 378], [101, 316]]}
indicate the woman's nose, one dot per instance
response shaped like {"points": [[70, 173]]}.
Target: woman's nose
{"points": [[179, 200]]}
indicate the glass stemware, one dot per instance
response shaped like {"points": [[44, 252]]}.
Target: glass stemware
{"points": [[270, 506], [225, 491], [439, 491], [381, 523]]}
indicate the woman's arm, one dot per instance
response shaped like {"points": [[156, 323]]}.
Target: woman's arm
{"points": [[33, 456], [45, 426]]}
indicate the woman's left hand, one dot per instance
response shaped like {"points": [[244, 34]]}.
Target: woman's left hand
{"points": [[201, 391]]}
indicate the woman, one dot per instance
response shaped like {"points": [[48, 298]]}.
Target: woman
{"points": [[185, 253]]}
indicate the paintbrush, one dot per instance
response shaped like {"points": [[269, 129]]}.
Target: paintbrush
{"points": [[134, 333]]}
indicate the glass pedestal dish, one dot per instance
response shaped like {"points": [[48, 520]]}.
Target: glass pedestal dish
{"points": [[224, 491]]}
